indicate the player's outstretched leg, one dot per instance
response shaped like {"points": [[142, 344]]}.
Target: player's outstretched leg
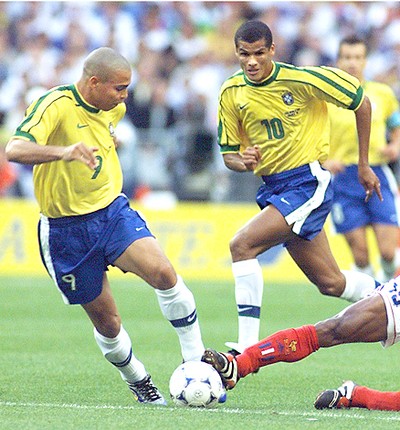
{"points": [[225, 364], [336, 399], [351, 395]]}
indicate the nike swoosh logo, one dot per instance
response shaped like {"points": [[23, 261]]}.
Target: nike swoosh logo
{"points": [[82, 125], [243, 106], [242, 309], [139, 228], [191, 317], [283, 200]]}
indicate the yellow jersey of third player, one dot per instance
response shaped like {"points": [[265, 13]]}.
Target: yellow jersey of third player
{"points": [[285, 115], [61, 117], [343, 134]]}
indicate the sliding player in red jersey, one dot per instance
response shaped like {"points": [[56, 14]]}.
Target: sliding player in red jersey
{"points": [[373, 319]]}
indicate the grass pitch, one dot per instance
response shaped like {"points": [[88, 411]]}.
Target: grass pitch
{"points": [[53, 376]]}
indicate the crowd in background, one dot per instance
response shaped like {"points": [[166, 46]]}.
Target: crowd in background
{"points": [[181, 52]]}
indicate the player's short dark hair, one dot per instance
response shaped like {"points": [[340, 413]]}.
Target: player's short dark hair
{"points": [[353, 40], [252, 31]]}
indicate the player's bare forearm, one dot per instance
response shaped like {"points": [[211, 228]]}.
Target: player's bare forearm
{"points": [[245, 162], [363, 121], [234, 161], [26, 152], [366, 175]]}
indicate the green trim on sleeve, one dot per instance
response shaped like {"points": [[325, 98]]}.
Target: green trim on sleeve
{"points": [[332, 83], [24, 134], [228, 148], [357, 101]]}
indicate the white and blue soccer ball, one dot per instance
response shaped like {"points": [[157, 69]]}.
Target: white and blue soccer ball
{"points": [[196, 384]]}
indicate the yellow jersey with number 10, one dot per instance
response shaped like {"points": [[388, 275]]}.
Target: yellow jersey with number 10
{"points": [[61, 117], [286, 115]]}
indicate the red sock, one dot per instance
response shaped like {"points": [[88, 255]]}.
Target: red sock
{"points": [[364, 397], [288, 345]]}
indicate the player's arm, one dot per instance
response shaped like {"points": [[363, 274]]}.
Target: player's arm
{"points": [[247, 161], [366, 175], [28, 152]]}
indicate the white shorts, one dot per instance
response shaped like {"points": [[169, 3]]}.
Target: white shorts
{"points": [[390, 293]]}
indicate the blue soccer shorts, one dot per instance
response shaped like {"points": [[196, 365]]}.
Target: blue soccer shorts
{"points": [[77, 250], [302, 195], [350, 211]]}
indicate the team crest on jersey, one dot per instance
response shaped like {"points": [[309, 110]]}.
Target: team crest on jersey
{"points": [[111, 128], [287, 98]]}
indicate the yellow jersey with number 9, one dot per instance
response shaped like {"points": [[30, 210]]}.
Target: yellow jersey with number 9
{"points": [[286, 115], [61, 117]]}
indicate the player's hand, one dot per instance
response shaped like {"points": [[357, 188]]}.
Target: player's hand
{"points": [[251, 157], [370, 182], [80, 152]]}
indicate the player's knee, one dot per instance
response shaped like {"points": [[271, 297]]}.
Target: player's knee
{"points": [[164, 277], [109, 326], [240, 249], [332, 284], [388, 255]]}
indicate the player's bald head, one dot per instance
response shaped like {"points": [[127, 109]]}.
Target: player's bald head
{"points": [[103, 63]]}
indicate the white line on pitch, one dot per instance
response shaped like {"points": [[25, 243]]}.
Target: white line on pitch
{"points": [[221, 410]]}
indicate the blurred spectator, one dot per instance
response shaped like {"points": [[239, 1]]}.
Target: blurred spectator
{"points": [[180, 52], [8, 174]]}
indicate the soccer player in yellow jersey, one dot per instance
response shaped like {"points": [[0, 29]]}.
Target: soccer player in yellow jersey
{"points": [[273, 121], [86, 224], [351, 215]]}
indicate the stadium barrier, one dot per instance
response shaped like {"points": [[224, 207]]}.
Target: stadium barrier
{"points": [[195, 236]]}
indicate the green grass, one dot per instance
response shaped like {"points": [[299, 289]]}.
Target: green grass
{"points": [[54, 377]]}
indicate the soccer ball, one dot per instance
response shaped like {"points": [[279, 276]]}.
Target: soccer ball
{"points": [[196, 384]]}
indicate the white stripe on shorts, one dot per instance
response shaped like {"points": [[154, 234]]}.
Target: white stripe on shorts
{"points": [[299, 216], [45, 245], [390, 293]]}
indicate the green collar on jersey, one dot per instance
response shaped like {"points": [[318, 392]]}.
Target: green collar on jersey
{"points": [[270, 78], [80, 100]]}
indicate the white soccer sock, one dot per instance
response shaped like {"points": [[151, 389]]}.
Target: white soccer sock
{"points": [[368, 270], [388, 269], [178, 306], [249, 287], [118, 351], [358, 285]]}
